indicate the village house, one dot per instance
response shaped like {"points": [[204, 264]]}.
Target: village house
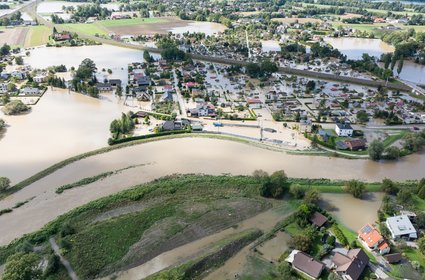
{"points": [[344, 129], [351, 265], [61, 36], [203, 110], [356, 144], [305, 264], [318, 219], [115, 82], [255, 103], [373, 240], [41, 78], [171, 125], [29, 91], [103, 87], [401, 227]]}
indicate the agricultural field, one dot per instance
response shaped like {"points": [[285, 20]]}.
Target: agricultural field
{"points": [[13, 36], [37, 35], [91, 29]]}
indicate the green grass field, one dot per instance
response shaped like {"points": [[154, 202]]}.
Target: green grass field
{"points": [[86, 28], [133, 21], [37, 35]]}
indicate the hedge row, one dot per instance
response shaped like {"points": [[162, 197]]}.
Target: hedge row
{"points": [[112, 141]]}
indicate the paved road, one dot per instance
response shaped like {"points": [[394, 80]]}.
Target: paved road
{"points": [[31, 10], [64, 262]]}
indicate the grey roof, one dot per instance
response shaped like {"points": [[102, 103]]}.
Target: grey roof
{"points": [[318, 219], [308, 265], [352, 264], [400, 225]]}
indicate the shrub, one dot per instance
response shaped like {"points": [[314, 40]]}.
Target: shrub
{"points": [[356, 188], [297, 191], [339, 235], [389, 187], [330, 240]]}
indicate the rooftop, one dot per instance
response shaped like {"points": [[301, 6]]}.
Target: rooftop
{"points": [[400, 225]]}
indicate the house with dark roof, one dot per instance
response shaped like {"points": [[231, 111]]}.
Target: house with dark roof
{"points": [[305, 264], [351, 265], [318, 219], [356, 144], [393, 258]]}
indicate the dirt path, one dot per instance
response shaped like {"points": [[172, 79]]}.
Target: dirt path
{"points": [[64, 261]]}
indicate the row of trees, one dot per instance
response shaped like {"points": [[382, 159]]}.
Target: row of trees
{"points": [[122, 126], [85, 80], [263, 69]]}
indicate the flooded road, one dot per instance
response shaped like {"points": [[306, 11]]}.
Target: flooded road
{"points": [[352, 212]]}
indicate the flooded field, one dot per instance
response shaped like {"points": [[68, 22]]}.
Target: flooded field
{"points": [[412, 72], [354, 48], [274, 248], [35, 140], [43, 57], [209, 28], [352, 212]]}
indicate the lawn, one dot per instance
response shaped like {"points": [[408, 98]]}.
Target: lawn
{"points": [[415, 255], [86, 28], [37, 35], [293, 229], [132, 21]]}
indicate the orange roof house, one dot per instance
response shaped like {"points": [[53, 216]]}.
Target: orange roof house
{"points": [[373, 240]]}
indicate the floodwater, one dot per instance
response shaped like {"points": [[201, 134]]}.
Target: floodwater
{"points": [[50, 7], [61, 125], [209, 28], [412, 72], [275, 247], [43, 57], [270, 46], [354, 48], [181, 155], [264, 221], [352, 212]]}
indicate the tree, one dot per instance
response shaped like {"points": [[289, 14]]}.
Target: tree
{"points": [[389, 187], [15, 107], [86, 69], [5, 99], [4, 183], [2, 124], [356, 188], [404, 197], [312, 196], [392, 152], [311, 85], [302, 243], [297, 191], [276, 185], [400, 65], [147, 56], [118, 91], [19, 60], [421, 188], [421, 244], [334, 276], [22, 266], [362, 116], [420, 220], [376, 148]]}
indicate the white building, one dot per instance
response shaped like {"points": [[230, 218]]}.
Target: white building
{"points": [[401, 227], [40, 78], [30, 91], [344, 129]]}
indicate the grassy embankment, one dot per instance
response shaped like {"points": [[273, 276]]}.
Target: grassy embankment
{"points": [[126, 229], [37, 36]]}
